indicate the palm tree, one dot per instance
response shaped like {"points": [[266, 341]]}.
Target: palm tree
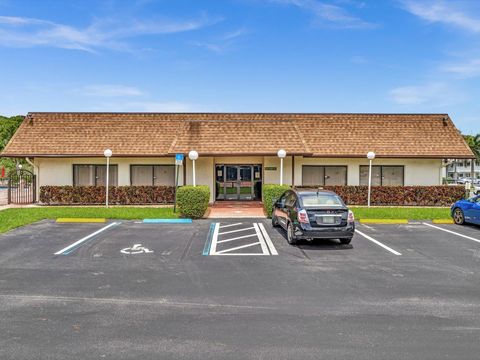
{"points": [[474, 142]]}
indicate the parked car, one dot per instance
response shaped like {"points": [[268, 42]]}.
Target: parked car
{"points": [[466, 211], [313, 214]]}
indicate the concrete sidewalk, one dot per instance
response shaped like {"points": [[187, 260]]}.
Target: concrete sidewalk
{"points": [[236, 209]]}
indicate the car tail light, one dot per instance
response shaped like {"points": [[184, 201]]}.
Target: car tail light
{"points": [[302, 217], [351, 217]]}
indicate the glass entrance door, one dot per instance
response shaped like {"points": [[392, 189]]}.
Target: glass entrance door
{"points": [[238, 182]]}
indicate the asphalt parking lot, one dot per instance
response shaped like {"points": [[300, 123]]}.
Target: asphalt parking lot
{"points": [[165, 291]]}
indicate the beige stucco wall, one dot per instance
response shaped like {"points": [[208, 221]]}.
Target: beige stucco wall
{"points": [[59, 171], [416, 171]]}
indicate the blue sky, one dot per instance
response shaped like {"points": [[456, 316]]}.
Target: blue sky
{"points": [[242, 56]]}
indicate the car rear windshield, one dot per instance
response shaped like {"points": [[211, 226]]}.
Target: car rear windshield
{"points": [[321, 200]]}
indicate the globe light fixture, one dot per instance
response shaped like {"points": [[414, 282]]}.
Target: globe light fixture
{"points": [[193, 155], [108, 154], [281, 154]]}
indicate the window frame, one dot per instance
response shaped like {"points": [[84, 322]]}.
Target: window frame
{"points": [[381, 173], [324, 167], [153, 173], [95, 174]]}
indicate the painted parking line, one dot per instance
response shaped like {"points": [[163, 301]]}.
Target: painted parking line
{"points": [[70, 248], [234, 231], [452, 232], [395, 252], [229, 238], [229, 225], [269, 242]]}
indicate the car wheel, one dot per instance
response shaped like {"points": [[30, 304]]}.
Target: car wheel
{"points": [[274, 221], [291, 238], [345, 241], [458, 216]]}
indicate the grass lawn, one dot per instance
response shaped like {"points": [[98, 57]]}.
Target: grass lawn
{"points": [[409, 213], [13, 218]]}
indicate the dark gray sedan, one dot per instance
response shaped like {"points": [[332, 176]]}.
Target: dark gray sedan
{"points": [[313, 214]]}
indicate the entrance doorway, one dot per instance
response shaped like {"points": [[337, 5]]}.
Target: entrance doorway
{"points": [[238, 182]]}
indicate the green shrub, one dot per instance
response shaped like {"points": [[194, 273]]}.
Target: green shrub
{"points": [[272, 193], [192, 201], [398, 195], [95, 195]]}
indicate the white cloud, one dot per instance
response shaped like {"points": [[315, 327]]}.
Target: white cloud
{"points": [[437, 94], [102, 33], [328, 14], [444, 12], [223, 43], [110, 91], [467, 69]]}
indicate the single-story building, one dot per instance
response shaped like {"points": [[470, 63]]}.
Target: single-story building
{"points": [[237, 151]]}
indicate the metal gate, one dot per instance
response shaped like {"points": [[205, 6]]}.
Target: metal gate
{"points": [[22, 187]]}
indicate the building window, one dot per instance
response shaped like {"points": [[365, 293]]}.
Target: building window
{"points": [[324, 175], [152, 175], [383, 175], [94, 175]]}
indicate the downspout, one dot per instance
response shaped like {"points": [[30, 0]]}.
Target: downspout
{"points": [[36, 171]]}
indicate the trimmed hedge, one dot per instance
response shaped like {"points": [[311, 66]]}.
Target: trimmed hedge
{"points": [[192, 201], [95, 195], [270, 194], [381, 195], [398, 195]]}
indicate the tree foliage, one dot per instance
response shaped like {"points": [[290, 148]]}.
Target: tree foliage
{"points": [[8, 126], [474, 142]]}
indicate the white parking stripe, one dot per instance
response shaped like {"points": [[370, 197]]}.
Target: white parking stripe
{"points": [[262, 240], [88, 237], [229, 225], [236, 238], [237, 248], [213, 247], [378, 243], [452, 232], [269, 242], [234, 231]]}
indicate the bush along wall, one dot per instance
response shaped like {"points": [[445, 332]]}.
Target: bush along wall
{"points": [[95, 195], [399, 195], [380, 196], [270, 194], [192, 201]]}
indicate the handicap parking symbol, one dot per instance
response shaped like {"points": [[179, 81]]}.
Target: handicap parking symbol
{"points": [[136, 249]]}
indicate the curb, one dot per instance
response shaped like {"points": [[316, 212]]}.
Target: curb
{"points": [[80, 220], [383, 221], [442, 221], [167, 221]]}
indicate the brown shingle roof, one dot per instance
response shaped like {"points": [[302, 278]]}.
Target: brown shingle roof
{"points": [[164, 134]]}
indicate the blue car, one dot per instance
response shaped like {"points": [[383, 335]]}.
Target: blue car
{"points": [[466, 211]]}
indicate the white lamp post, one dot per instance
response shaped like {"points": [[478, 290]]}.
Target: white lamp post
{"points": [[193, 155], [370, 157], [108, 154], [281, 154]]}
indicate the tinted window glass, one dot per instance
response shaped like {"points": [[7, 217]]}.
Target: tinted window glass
{"points": [[382, 175], [94, 175], [324, 175], [321, 200], [291, 198]]}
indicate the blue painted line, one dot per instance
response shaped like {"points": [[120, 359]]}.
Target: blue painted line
{"points": [[167, 221], [208, 243]]}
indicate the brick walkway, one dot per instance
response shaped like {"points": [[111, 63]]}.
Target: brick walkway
{"points": [[236, 209]]}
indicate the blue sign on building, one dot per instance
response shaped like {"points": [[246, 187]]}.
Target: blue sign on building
{"points": [[178, 157]]}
